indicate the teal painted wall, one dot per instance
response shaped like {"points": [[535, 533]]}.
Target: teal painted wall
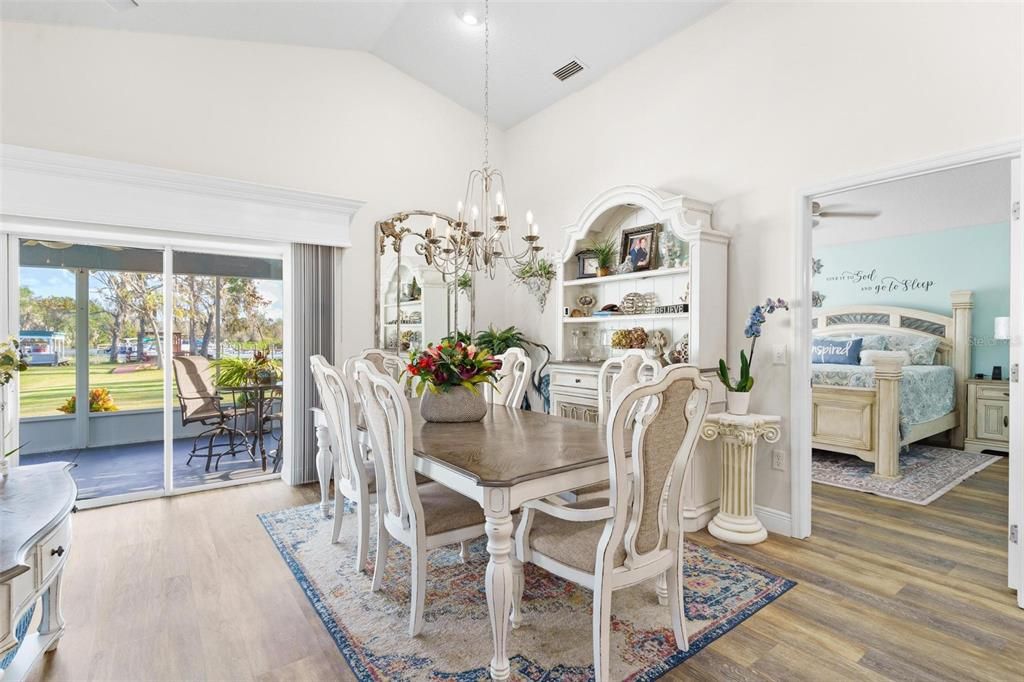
{"points": [[919, 271]]}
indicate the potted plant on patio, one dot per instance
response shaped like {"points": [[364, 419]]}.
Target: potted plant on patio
{"points": [[738, 391], [446, 377]]}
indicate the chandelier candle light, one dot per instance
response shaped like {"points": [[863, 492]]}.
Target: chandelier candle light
{"points": [[481, 237]]}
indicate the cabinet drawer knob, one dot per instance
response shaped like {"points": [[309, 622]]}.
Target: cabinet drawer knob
{"points": [[1006, 420], [58, 552], [577, 380]]}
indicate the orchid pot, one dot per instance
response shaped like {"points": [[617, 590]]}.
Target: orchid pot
{"points": [[738, 396], [737, 403]]}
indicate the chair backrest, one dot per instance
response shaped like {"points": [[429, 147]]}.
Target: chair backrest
{"points": [[665, 416], [388, 421], [618, 374], [511, 380], [382, 361], [337, 398], [196, 390]]}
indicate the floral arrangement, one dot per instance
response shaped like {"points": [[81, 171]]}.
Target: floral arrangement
{"points": [[100, 400], [10, 361], [447, 365], [753, 332]]}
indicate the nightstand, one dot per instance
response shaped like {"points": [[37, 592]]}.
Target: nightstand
{"points": [[988, 415]]}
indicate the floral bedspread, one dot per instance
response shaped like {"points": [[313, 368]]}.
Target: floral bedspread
{"points": [[926, 391]]}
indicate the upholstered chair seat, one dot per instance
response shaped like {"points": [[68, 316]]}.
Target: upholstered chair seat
{"points": [[573, 543], [445, 510]]}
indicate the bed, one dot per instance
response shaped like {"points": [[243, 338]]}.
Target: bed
{"points": [[872, 412]]}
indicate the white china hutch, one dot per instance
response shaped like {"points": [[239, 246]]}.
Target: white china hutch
{"points": [[693, 272]]}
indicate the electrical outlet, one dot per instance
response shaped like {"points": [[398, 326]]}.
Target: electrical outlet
{"points": [[779, 354], [779, 460]]}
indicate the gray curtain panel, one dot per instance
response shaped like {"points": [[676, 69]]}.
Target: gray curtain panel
{"points": [[313, 309]]}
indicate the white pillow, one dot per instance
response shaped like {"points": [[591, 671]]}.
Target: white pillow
{"points": [[868, 357]]}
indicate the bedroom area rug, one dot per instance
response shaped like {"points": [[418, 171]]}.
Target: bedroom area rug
{"points": [[554, 641], [929, 472]]}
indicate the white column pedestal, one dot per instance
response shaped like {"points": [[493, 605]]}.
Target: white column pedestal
{"points": [[738, 434]]}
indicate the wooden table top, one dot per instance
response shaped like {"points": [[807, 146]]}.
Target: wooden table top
{"points": [[509, 446]]}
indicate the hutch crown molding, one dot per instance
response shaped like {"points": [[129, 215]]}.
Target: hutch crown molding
{"points": [[574, 382]]}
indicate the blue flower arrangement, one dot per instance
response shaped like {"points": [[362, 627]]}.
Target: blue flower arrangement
{"points": [[758, 316]]}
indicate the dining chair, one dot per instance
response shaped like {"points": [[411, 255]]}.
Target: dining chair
{"points": [[422, 518], [509, 387], [615, 376], [635, 534], [354, 476]]}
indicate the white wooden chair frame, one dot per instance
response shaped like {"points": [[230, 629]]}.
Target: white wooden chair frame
{"points": [[337, 396], [865, 421], [511, 379], [636, 408], [618, 373], [408, 524]]}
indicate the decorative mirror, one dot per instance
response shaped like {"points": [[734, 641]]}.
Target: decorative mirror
{"points": [[415, 304]]}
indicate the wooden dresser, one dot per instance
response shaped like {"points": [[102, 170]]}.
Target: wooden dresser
{"points": [[35, 536]]}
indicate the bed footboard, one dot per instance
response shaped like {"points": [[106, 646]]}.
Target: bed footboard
{"points": [[862, 421]]}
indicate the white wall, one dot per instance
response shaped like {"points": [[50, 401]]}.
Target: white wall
{"points": [[756, 101], [337, 122]]}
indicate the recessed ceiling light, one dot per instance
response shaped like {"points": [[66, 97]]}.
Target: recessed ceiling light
{"points": [[470, 19]]}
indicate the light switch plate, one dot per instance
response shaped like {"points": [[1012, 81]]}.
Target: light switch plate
{"points": [[779, 460], [779, 354]]}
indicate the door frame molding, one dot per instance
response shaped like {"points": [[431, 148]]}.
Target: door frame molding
{"points": [[800, 375]]}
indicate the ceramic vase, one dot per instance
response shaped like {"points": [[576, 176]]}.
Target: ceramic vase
{"points": [[737, 403], [457, 404]]}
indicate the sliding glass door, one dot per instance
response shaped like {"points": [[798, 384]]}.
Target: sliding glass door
{"points": [[152, 370]]}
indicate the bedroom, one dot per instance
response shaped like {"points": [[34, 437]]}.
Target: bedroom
{"points": [[910, 359]]}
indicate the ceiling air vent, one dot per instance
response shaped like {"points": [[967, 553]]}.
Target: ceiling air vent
{"points": [[568, 71]]}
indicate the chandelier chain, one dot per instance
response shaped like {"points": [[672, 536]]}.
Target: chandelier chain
{"points": [[487, 82]]}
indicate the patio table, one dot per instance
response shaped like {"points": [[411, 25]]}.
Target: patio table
{"points": [[259, 397]]}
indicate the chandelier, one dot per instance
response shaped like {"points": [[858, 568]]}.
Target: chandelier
{"points": [[480, 236]]}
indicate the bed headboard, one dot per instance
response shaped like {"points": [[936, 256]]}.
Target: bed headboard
{"points": [[953, 332]]}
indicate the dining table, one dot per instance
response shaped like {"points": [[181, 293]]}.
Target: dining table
{"points": [[509, 457]]}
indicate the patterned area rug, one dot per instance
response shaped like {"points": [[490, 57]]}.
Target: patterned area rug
{"points": [[929, 472], [554, 641]]}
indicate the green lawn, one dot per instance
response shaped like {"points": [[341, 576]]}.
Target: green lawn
{"points": [[44, 389]]}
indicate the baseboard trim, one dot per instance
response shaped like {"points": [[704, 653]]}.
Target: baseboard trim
{"points": [[775, 521]]}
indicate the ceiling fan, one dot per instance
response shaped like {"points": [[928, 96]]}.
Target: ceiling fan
{"points": [[818, 211]]}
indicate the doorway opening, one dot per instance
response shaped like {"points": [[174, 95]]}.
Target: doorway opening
{"points": [[910, 342]]}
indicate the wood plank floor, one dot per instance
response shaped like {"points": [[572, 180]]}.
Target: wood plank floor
{"points": [[192, 588]]}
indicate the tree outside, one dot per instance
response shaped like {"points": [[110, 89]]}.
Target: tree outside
{"points": [[125, 344]]}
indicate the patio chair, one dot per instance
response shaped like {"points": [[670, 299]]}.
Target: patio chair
{"points": [[201, 404]]}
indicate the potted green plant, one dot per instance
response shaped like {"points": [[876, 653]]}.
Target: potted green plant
{"points": [[738, 391], [605, 251], [10, 364], [446, 377], [260, 369], [499, 341]]}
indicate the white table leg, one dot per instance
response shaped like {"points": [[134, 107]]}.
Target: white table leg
{"points": [[499, 583], [324, 461]]}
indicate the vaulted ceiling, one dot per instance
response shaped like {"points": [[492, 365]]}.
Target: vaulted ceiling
{"points": [[430, 41]]}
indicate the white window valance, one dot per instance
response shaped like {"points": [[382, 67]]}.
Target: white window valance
{"points": [[37, 183]]}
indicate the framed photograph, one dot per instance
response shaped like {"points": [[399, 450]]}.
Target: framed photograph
{"points": [[639, 246], [586, 264]]}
